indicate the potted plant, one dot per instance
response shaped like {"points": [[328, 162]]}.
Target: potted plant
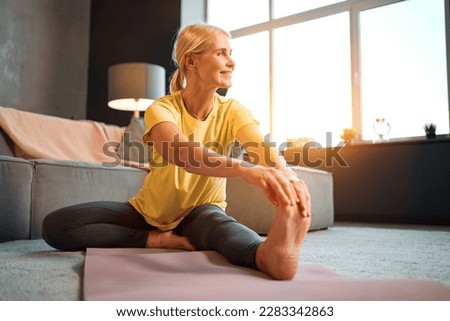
{"points": [[430, 130], [348, 135]]}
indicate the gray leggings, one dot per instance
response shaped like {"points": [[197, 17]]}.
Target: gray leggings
{"points": [[117, 224]]}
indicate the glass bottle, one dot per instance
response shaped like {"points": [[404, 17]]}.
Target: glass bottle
{"points": [[382, 129]]}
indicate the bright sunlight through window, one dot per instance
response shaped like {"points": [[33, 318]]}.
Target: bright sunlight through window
{"points": [[284, 8], [251, 76], [403, 68], [312, 88], [311, 67], [235, 14]]}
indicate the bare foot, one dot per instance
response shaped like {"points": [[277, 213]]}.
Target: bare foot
{"points": [[168, 240], [278, 255]]}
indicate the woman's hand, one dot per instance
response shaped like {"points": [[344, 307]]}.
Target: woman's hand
{"points": [[276, 186], [301, 191], [281, 186]]}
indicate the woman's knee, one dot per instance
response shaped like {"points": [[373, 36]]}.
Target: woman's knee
{"points": [[205, 219], [56, 225], [51, 229], [205, 226]]}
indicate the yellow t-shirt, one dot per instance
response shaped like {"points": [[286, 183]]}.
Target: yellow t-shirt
{"points": [[169, 192]]}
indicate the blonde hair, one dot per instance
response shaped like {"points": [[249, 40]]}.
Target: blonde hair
{"points": [[192, 39]]}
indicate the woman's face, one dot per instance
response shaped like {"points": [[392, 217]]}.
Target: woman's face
{"points": [[213, 68]]}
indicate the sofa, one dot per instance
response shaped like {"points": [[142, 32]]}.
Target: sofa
{"points": [[34, 187]]}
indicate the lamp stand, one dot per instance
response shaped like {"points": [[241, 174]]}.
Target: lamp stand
{"points": [[136, 109]]}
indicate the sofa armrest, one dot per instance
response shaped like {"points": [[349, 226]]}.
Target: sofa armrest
{"points": [[57, 184], [248, 204], [15, 180], [6, 145]]}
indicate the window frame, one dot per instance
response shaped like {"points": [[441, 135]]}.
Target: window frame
{"points": [[354, 7]]}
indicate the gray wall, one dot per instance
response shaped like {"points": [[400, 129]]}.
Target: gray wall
{"points": [[127, 31], [44, 50]]}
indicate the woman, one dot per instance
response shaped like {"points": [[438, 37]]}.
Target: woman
{"points": [[181, 203]]}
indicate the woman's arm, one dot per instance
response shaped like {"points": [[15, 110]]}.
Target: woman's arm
{"points": [[195, 158], [266, 154], [259, 151]]}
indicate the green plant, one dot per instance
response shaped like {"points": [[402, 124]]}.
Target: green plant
{"points": [[430, 129]]}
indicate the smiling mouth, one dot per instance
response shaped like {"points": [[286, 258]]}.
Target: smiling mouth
{"points": [[227, 73]]}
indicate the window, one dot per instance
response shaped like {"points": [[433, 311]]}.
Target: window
{"points": [[403, 68], [251, 54], [235, 14], [314, 67], [312, 88], [283, 8]]}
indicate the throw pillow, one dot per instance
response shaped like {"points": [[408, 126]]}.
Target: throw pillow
{"points": [[132, 148]]}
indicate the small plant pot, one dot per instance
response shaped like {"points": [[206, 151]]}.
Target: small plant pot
{"points": [[430, 130], [431, 135]]}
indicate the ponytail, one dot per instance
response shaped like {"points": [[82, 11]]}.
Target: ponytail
{"points": [[177, 81]]}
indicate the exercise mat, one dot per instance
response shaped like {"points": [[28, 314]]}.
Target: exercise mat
{"points": [[140, 274]]}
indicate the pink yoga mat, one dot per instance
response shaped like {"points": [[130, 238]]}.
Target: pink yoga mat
{"points": [[139, 274]]}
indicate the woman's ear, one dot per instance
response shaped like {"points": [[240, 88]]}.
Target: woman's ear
{"points": [[189, 61]]}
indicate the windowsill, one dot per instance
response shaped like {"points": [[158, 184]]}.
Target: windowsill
{"points": [[403, 141], [368, 143]]}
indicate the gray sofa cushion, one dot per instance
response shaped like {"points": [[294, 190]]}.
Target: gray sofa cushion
{"points": [[15, 181], [58, 184], [248, 204], [6, 145]]}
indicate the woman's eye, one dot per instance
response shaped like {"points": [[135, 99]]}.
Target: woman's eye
{"points": [[223, 53]]}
